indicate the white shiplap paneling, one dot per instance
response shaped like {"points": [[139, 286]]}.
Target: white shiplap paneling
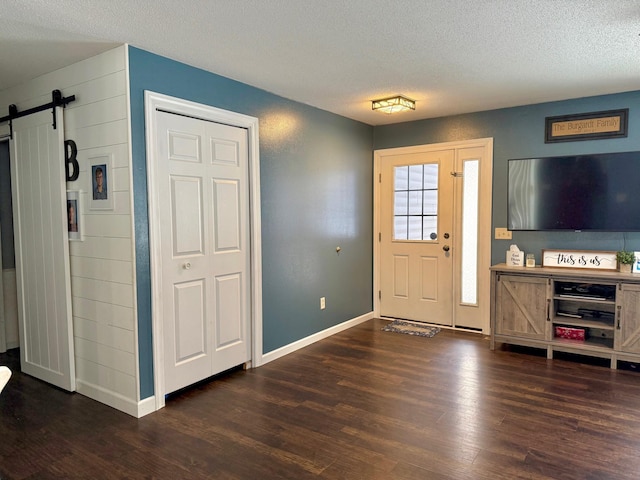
{"points": [[102, 135], [102, 270], [106, 314], [96, 113], [117, 271], [104, 378], [98, 247], [118, 226], [105, 355], [106, 292]]}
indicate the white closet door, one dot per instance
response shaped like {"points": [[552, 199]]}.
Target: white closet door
{"points": [[202, 171]]}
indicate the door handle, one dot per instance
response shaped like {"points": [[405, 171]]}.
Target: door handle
{"points": [[187, 265], [446, 248]]}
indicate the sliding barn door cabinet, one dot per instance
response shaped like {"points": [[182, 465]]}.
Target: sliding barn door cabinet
{"points": [[586, 312]]}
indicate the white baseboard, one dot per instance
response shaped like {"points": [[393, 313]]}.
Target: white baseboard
{"points": [[146, 406], [126, 405], [292, 347]]}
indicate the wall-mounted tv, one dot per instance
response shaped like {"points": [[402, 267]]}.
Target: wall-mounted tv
{"points": [[575, 192]]}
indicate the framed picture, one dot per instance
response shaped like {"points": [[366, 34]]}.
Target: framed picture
{"points": [[74, 215], [101, 183], [587, 126], [636, 264]]}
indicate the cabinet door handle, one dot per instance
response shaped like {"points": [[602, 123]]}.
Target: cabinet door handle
{"points": [[618, 315], [548, 309]]}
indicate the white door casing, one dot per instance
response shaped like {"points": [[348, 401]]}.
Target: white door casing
{"points": [[470, 308], [214, 273], [42, 249], [3, 322]]}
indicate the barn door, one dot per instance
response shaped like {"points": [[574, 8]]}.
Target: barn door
{"points": [[42, 250]]}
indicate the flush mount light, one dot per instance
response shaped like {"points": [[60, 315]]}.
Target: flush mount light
{"points": [[394, 104]]}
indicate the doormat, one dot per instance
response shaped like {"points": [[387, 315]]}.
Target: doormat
{"points": [[408, 328]]}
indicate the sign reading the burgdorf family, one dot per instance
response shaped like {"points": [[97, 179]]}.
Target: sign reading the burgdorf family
{"points": [[587, 126]]}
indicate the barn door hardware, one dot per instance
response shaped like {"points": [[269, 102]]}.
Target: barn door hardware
{"points": [[57, 100]]}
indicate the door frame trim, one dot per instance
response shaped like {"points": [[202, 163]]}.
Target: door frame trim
{"points": [[483, 278], [154, 102], [3, 319]]}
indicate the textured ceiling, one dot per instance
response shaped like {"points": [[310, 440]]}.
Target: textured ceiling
{"points": [[451, 56]]}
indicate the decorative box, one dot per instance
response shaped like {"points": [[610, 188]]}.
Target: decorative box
{"points": [[515, 258], [570, 333]]}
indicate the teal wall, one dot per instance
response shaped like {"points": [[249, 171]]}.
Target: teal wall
{"points": [[316, 187], [316, 194], [519, 133]]}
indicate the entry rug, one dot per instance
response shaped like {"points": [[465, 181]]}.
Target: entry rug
{"points": [[400, 326]]}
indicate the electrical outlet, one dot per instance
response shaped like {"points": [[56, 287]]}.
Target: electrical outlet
{"points": [[503, 234], [323, 304]]}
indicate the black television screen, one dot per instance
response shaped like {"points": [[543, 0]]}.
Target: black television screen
{"points": [[578, 192]]}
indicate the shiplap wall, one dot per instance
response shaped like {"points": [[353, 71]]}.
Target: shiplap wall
{"points": [[102, 272]]}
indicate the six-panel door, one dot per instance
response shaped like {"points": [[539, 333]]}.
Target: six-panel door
{"points": [[203, 175]]}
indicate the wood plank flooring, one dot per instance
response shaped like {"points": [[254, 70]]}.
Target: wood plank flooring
{"points": [[361, 405]]}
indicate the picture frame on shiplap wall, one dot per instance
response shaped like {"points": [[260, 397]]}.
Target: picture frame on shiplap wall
{"points": [[74, 215], [101, 195]]}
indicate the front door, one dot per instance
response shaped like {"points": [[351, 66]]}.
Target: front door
{"points": [[203, 203], [416, 236], [433, 245], [42, 249]]}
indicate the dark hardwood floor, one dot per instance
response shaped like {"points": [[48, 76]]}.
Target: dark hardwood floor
{"points": [[361, 405]]}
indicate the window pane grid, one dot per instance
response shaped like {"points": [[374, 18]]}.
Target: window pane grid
{"points": [[415, 202]]}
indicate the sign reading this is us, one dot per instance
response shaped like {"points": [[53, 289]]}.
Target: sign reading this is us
{"points": [[579, 259]]}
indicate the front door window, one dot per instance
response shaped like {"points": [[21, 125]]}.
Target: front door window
{"points": [[416, 202]]}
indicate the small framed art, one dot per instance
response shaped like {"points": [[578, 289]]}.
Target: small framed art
{"points": [[101, 191], [74, 215]]}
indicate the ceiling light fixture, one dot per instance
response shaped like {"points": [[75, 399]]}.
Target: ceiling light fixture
{"points": [[394, 104]]}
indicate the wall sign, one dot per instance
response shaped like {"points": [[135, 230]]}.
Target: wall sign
{"points": [[587, 126], [586, 259], [71, 157]]}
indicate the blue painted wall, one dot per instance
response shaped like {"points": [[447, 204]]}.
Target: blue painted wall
{"points": [[519, 133], [316, 187], [316, 182]]}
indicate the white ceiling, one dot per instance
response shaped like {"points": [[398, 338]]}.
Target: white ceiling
{"points": [[451, 56]]}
